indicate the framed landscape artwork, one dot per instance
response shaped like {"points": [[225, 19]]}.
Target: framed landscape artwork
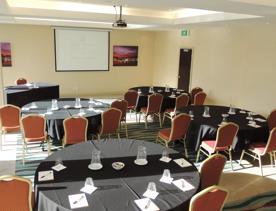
{"points": [[5, 48], [125, 55]]}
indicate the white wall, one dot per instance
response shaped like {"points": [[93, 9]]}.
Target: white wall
{"points": [[233, 64]]}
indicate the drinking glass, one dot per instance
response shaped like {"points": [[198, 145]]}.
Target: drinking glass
{"points": [[54, 104], [167, 173], [89, 182], [77, 102], [224, 118], [165, 153], [151, 187], [58, 161], [142, 153], [191, 114], [96, 159], [139, 91], [91, 100], [206, 111]]}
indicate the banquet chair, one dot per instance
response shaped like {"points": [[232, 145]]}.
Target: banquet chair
{"points": [[271, 120], [257, 150], [20, 81], [33, 128], [180, 125], [180, 102], [153, 108], [122, 106], [15, 193], [75, 130], [211, 170], [9, 120], [224, 139], [199, 98], [212, 198], [131, 97], [194, 91], [110, 123]]}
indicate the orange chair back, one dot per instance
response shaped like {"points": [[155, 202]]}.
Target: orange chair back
{"points": [[131, 97], [271, 143], [122, 106], [110, 121], [10, 118], [15, 193], [226, 135], [212, 198], [180, 125], [271, 120], [181, 101], [199, 98], [75, 130], [194, 91], [154, 103], [34, 127], [20, 81], [211, 170]]}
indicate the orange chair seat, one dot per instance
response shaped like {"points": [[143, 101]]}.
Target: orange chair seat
{"points": [[144, 110], [257, 148], [11, 129], [165, 134], [209, 145], [42, 138]]}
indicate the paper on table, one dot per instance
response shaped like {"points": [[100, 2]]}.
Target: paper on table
{"points": [[151, 194], [88, 189], [165, 159], [59, 167], [260, 120], [78, 200], [45, 175], [182, 162], [183, 185], [167, 180], [255, 126], [146, 204]]}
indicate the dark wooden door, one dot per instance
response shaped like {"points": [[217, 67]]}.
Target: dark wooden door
{"points": [[185, 61]]}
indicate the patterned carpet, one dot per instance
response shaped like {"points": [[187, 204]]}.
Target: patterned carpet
{"points": [[137, 131]]}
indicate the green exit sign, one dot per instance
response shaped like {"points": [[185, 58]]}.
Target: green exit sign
{"points": [[185, 32]]}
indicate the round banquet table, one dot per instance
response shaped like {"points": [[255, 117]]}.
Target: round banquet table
{"points": [[117, 190], [168, 98], [66, 108], [202, 128]]}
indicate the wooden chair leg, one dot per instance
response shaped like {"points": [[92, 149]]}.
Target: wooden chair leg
{"points": [[230, 158], [23, 156], [185, 149], [164, 115], [146, 122], [126, 130], [274, 156], [160, 120], [271, 158], [118, 134], [99, 137]]}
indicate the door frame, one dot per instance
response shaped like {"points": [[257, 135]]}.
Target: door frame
{"points": [[191, 70]]}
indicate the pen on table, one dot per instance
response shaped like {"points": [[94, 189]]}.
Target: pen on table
{"points": [[50, 172], [77, 201], [148, 204]]}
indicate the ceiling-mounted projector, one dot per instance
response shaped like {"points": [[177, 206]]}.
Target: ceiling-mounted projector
{"points": [[120, 23]]}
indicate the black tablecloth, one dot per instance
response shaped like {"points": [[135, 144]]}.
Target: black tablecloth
{"points": [[20, 95], [117, 190], [206, 128], [168, 99], [55, 121]]}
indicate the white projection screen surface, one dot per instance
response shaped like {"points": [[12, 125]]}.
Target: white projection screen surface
{"points": [[78, 49]]}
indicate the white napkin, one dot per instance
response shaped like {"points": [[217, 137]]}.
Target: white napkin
{"points": [[78, 200], [242, 112], [207, 116], [165, 159], [183, 185], [66, 106], [255, 126], [150, 194], [25, 109], [45, 175], [81, 113], [167, 180], [231, 113], [59, 167], [182, 162], [146, 204], [88, 189], [260, 119]]}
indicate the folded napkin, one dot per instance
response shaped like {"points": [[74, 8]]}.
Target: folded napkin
{"points": [[150, 194], [182, 162], [167, 180], [78, 201], [59, 167], [165, 159], [146, 204], [255, 126], [45, 175], [183, 185], [260, 120], [88, 189]]}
